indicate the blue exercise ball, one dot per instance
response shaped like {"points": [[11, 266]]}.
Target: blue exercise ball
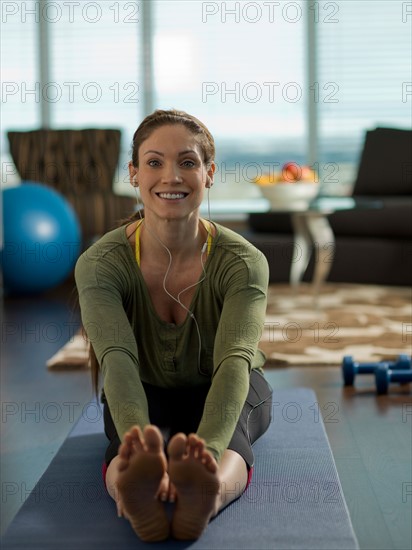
{"points": [[42, 238]]}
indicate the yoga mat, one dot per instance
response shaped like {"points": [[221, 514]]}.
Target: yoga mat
{"points": [[295, 500]]}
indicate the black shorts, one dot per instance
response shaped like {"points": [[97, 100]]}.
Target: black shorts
{"points": [[180, 410]]}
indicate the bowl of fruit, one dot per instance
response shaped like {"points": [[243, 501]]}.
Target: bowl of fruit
{"points": [[291, 189]]}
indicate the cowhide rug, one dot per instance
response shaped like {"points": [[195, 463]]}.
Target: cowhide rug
{"points": [[371, 323]]}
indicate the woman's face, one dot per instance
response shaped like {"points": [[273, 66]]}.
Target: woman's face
{"points": [[171, 174]]}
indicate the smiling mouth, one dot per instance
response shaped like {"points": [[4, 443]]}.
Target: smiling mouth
{"points": [[172, 196]]}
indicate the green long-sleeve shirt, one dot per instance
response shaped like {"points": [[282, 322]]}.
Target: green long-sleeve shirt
{"points": [[133, 345]]}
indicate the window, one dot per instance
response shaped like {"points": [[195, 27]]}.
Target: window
{"points": [[20, 86], [239, 67], [95, 71], [93, 68]]}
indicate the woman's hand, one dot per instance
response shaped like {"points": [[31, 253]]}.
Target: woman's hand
{"points": [[167, 491]]}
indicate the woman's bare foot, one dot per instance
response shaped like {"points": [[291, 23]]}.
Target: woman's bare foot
{"points": [[142, 466], [194, 473]]}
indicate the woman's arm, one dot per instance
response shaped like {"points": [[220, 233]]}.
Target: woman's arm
{"points": [[223, 405], [239, 332], [113, 341]]}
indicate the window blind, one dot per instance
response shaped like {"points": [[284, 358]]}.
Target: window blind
{"points": [[365, 52]]}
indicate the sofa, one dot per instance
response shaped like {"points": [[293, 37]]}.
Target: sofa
{"points": [[373, 245]]}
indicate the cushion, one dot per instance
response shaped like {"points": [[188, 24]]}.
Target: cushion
{"points": [[385, 166]]}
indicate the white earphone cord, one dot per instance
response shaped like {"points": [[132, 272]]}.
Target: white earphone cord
{"points": [[177, 299]]}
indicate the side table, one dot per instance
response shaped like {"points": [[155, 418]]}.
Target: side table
{"points": [[313, 233]]}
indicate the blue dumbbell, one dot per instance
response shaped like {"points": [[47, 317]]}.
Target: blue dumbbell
{"points": [[351, 368], [384, 376]]}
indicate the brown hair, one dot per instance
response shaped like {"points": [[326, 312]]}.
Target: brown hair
{"points": [[168, 118], [151, 123]]}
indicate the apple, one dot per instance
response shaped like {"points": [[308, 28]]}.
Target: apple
{"points": [[291, 172], [309, 175]]}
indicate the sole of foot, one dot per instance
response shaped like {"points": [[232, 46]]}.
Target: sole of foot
{"points": [[194, 473], [142, 466]]}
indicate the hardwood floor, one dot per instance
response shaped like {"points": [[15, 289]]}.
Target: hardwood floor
{"points": [[370, 436]]}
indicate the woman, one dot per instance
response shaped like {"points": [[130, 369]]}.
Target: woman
{"points": [[173, 306]]}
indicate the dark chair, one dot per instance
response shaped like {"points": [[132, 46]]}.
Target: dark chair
{"points": [[81, 165], [385, 174]]}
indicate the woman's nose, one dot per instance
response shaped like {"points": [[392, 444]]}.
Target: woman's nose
{"points": [[172, 174]]}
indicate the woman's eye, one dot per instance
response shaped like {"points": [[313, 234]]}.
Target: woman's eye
{"points": [[153, 162], [188, 163]]}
